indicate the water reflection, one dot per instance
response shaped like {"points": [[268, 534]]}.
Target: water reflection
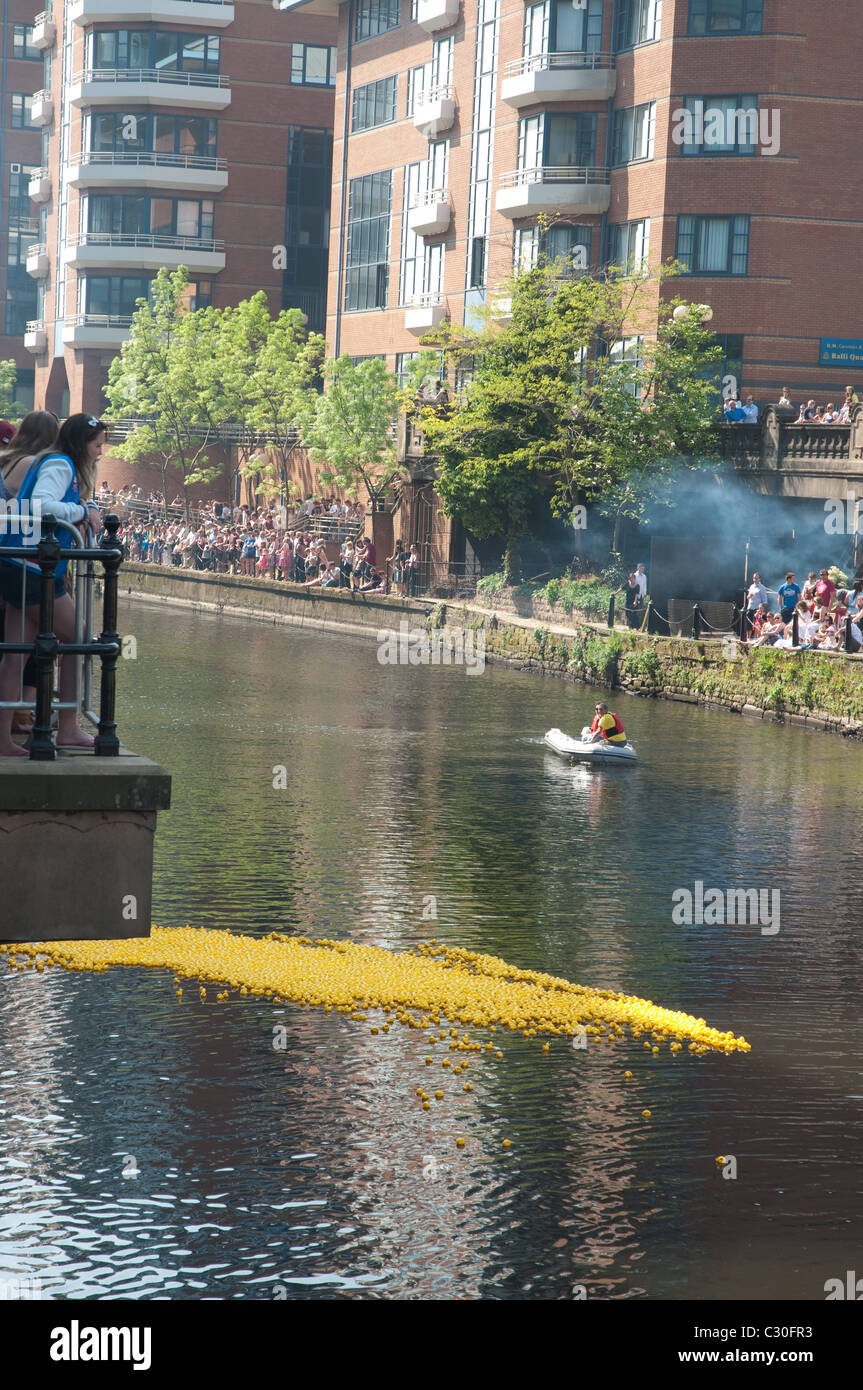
{"points": [[311, 1172]]}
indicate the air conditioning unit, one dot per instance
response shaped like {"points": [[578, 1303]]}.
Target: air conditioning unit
{"points": [[15, 168]]}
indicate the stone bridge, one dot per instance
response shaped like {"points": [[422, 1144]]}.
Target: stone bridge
{"points": [[783, 459]]}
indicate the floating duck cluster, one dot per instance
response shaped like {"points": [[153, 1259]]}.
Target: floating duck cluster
{"points": [[415, 988]]}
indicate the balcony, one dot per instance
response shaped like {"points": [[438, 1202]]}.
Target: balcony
{"points": [[204, 91], [207, 14], [44, 31], [433, 15], [35, 336], [144, 251], [42, 110], [96, 330], [434, 111], [37, 262], [147, 169], [429, 212], [554, 189], [424, 311], [39, 187], [559, 77]]}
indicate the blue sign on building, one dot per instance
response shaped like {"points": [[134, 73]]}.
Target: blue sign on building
{"points": [[841, 352]]}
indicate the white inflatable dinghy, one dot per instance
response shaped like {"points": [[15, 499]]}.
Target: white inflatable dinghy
{"points": [[568, 747]]}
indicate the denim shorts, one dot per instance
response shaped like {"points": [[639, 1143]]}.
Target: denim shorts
{"points": [[10, 586]]}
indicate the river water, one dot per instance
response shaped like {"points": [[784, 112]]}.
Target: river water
{"points": [[420, 802]]}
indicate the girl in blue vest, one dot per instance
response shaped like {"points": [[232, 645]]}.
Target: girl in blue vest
{"points": [[61, 480]]}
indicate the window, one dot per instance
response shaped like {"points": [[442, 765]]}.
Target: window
{"points": [[556, 140], [477, 263], [374, 104], [713, 245], [307, 216], [633, 133], [422, 264], [162, 49], [22, 111], [568, 248], [403, 362], [19, 196], [148, 131], [17, 241], [312, 66], [114, 295], [376, 17], [638, 21], [629, 245], [369, 209], [717, 125], [626, 353], [725, 16], [728, 373], [22, 42], [21, 301], [563, 26], [419, 81]]}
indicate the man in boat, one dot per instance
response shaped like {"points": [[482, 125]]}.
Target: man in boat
{"points": [[606, 727]]}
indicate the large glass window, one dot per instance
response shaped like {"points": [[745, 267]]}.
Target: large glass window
{"points": [[376, 17], [368, 243], [22, 110], [168, 134], [627, 354], [312, 65], [563, 26], [374, 104], [725, 16], [419, 81], [22, 299], [638, 21], [567, 248], [713, 245], [22, 42], [634, 129], [136, 214], [557, 140], [114, 295], [629, 245], [717, 125], [147, 48], [422, 263], [304, 279]]}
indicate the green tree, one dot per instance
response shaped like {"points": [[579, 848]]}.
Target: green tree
{"points": [[10, 409], [349, 428], [262, 372], [162, 379], [578, 396]]}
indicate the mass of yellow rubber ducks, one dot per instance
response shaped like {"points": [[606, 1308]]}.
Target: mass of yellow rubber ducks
{"points": [[417, 988]]}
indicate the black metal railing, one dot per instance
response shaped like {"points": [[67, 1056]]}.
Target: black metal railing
{"points": [[46, 648]]}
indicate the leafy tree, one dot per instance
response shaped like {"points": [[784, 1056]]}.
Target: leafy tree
{"points": [[10, 409], [261, 373], [349, 428], [162, 377], [555, 408]]}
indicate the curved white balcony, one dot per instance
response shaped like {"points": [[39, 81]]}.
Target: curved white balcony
{"points": [[429, 212], [147, 169], [44, 31], [39, 187], [37, 262], [211, 14], [205, 91], [143, 250], [96, 330], [434, 111], [42, 110], [437, 14], [35, 336], [424, 311], [554, 189], [559, 77]]}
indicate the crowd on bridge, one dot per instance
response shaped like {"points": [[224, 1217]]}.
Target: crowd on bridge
{"points": [[736, 412]]}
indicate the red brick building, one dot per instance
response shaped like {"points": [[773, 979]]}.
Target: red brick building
{"points": [[715, 131], [174, 132]]}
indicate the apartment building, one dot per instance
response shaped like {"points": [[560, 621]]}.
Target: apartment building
{"points": [[19, 153], [173, 132], [472, 134]]}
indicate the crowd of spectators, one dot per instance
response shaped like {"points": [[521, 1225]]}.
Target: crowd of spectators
{"points": [[267, 544], [737, 413], [826, 617]]}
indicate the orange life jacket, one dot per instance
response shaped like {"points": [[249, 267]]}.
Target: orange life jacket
{"points": [[618, 727]]}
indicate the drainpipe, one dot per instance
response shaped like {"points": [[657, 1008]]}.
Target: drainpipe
{"points": [[343, 192]]}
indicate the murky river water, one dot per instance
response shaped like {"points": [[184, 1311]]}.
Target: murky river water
{"points": [[311, 1171]]}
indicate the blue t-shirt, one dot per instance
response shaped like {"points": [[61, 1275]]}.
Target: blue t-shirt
{"points": [[788, 596]]}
